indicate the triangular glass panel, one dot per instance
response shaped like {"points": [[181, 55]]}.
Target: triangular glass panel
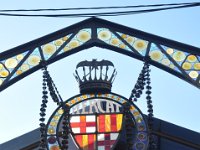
{"points": [[109, 38], [157, 55], [188, 62], [79, 39], [138, 44], [9, 65], [33, 60], [50, 48]]}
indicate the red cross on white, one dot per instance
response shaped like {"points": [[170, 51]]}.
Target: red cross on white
{"points": [[83, 124]]}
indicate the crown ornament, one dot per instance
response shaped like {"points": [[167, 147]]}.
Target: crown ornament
{"points": [[95, 76]]}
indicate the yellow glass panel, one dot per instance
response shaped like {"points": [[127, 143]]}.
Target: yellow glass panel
{"points": [[84, 96], [56, 117], [65, 38], [60, 111], [197, 66], [83, 36], [132, 108], [66, 48], [11, 63], [166, 62], [140, 45], [73, 101], [20, 57], [192, 58], [115, 41], [104, 35], [58, 42], [123, 46], [24, 67], [33, 60], [136, 113], [170, 51], [179, 56], [49, 49], [74, 44], [124, 36], [53, 124], [18, 72], [51, 131], [187, 65], [193, 74], [139, 120], [4, 73], [78, 98], [156, 55], [130, 39]]}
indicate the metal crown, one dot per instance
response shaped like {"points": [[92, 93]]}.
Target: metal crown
{"points": [[95, 76]]}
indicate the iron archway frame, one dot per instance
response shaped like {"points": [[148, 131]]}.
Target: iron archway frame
{"points": [[94, 26]]}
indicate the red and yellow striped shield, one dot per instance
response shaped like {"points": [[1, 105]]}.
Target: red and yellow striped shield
{"points": [[96, 132]]}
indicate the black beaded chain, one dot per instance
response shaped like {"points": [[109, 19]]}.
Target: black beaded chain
{"points": [[139, 86], [48, 82], [152, 144], [43, 112], [144, 80], [65, 131], [128, 126]]}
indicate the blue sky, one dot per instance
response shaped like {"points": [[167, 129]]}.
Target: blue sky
{"points": [[174, 100]]}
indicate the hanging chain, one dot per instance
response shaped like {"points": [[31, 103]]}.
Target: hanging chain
{"points": [[57, 98], [152, 144], [139, 86], [53, 90], [48, 82], [43, 111], [65, 131], [145, 81], [128, 126]]}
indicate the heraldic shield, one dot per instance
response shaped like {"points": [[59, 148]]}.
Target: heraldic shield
{"points": [[96, 131]]}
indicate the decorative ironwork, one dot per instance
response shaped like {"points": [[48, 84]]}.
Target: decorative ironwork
{"points": [[152, 145], [96, 118], [94, 78], [144, 80], [178, 59], [136, 120], [129, 126], [43, 111], [139, 86], [48, 82]]}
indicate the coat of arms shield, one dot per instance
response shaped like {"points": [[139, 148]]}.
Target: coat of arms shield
{"points": [[96, 131]]}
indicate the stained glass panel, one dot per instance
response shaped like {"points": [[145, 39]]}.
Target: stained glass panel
{"points": [[138, 44], [8, 66], [32, 60], [79, 39], [188, 62], [157, 55], [110, 38], [50, 48]]}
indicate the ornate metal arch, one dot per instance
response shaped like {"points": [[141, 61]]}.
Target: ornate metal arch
{"points": [[176, 58]]}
